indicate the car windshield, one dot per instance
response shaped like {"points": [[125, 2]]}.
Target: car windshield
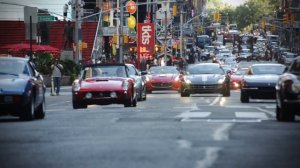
{"points": [[268, 69], [205, 69], [104, 71], [163, 70], [13, 67]]}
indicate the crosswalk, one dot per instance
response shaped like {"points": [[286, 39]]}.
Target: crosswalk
{"points": [[231, 117]]}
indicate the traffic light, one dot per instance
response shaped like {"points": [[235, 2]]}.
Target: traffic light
{"points": [[215, 17], [292, 18], [174, 10], [286, 18], [263, 24], [219, 16]]}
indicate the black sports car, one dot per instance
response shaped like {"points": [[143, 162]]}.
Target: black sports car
{"points": [[205, 78], [260, 80], [288, 93], [22, 89]]}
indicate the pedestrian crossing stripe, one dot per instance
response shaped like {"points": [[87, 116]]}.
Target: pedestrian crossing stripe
{"points": [[239, 117]]}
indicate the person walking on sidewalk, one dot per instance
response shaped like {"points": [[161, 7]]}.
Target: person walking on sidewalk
{"points": [[57, 72]]}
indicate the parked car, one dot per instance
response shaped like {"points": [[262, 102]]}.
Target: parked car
{"points": [[140, 82], [103, 84], [163, 78], [288, 93], [205, 78], [260, 80], [22, 89]]}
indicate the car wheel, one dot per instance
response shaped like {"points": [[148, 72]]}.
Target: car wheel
{"points": [[244, 97], [283, 113], [149, 91], [144, 97], [248, 59], [203, 58], [28, 112], [140, 96], [184, 94], [128, 102], [77, 105], [134, 102], [40, 112]]}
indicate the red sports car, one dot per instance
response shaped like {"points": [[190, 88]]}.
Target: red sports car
{"points": [[163, 78], [103, 84]]}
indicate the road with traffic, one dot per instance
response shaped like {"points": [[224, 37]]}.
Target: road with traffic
{"points": [[165, 131]]}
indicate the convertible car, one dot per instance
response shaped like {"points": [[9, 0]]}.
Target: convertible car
{"points": [[103, 84], [22, 89], [288, 93], [259, 81], [205, 78], [163, 78]]}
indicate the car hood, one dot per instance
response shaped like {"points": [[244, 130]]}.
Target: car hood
{"points": [[270, 78], [163, 77], [13, 85], [204, 78], [102, 84]]}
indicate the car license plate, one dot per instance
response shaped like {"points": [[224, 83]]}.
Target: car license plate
{"points": [[8, 99]]}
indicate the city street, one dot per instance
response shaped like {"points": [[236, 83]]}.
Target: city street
{"points": [[165, 131]]}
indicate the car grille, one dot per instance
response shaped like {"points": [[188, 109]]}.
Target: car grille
{"points": [[101, 94], [203, 87], [162, 85]]}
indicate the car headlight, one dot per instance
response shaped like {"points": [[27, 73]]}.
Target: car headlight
{"points": [[296, 87], [113, 94], [76, 86], [147, 79], [177, 78], [221, 81], [187, 81], [88, 95], [125, 85]]}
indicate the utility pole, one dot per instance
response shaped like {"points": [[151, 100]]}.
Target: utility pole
{"points": [[121, 39], [181, 34], [76, 31], [166, 41]]}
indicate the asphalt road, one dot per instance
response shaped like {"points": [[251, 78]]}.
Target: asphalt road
{"points": [[165, 131]]}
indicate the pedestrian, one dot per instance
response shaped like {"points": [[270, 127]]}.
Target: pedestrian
{"points": [[57, 73]]}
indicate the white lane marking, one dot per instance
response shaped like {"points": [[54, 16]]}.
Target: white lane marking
{"points": [[266, 111], [221, 134], [258, 115], [184, 144], [211, 155], [233, 120], [187, 115], [215, 101]]}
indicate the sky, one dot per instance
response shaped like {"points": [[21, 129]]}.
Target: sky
{"points": [[234, 2], [13, 12]]}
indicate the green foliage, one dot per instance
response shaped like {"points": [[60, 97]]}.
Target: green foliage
{"points": [[45, 60], [43, 63]]}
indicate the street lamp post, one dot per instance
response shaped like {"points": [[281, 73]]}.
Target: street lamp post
{"points": [[166, 42]]}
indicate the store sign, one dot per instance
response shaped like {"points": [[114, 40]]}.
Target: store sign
{"points": [[145, 40]]}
